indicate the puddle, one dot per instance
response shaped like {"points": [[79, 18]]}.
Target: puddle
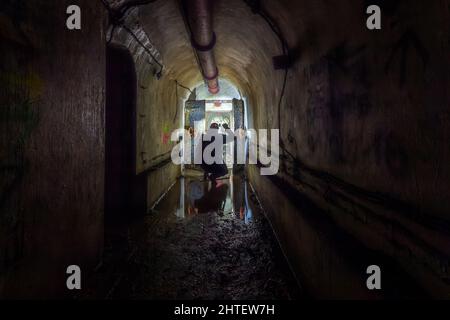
{"points": [[228, 197], [202, 242]]}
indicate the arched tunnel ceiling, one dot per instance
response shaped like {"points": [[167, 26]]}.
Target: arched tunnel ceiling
{"points": [[245, 42], [243, 56]]}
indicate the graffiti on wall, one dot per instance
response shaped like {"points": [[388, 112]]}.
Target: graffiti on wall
{"points": [[338, 88], [165, 139], [407, 46], [338, 104]]}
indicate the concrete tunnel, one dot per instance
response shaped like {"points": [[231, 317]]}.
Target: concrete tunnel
{"points": [[87, 177]]}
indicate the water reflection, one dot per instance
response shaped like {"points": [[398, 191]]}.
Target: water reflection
{"points": [[248, 214], [228, 197]]}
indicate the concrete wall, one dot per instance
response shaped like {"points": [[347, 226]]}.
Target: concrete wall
{"points": [[52, 140], [52, 144], [159, 106], [365, 125], [364, 121], [364, 118]]}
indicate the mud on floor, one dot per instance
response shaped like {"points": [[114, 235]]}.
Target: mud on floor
{"points": [[218, 251]]}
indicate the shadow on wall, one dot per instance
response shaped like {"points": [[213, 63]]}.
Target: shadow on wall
{"points": [[125, 192]]}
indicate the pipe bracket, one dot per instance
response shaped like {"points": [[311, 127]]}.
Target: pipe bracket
{"points": [[206, 48], [216, 74]]}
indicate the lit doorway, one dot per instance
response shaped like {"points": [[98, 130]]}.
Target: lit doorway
{"points": [[200, 114], [221, 112]]}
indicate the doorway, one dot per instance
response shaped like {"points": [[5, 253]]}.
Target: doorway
{"points": [[199, 114], [125, 192]]}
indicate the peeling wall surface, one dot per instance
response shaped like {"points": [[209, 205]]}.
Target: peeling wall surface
{"points": [[363, 117]]}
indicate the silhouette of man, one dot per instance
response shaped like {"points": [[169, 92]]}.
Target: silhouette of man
{"points": [[216, 170]]}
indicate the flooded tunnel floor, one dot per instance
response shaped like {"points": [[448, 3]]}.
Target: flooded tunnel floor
{"points": [[201, 242]]}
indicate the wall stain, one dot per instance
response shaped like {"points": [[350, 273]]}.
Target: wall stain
{"points": [[390, 153], [408, 44]]}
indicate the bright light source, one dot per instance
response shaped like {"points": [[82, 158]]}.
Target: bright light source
{"points": [[219, 106]]}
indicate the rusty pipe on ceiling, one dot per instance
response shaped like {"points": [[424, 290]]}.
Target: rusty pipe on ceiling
{"points": [[203, 40]]}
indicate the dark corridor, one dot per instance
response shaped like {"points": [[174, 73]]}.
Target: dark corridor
{"points": [[336, 181]]}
